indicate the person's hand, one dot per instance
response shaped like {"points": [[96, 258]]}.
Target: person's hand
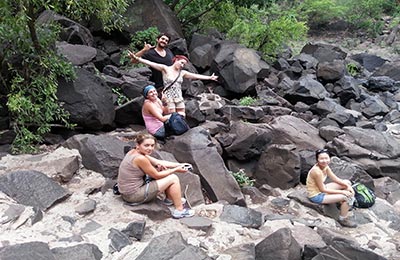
{"points": [[133, 56], [347, 193], [147, 47], [180, 169], [214, 77], [160, 167]]}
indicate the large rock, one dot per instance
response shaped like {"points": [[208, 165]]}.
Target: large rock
{"points": [[343, 250], [244, 141], [324, 52], [143, 13], [32, 188], [100, 153], [377, 152], [278, 166], [330, 71], [203, 50], [390, 69], [243, 216], [88, 100], [292, 130], [369, 61], [280, 245], [72, 32], [77, 54], [238, 67], [59, 165], [388, 189], [171, 246], [307, 90], [78, 252], [196, 147], [27, 251]]}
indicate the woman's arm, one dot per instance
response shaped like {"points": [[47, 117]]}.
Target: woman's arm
{"points": [[151, 109], [144, 163], [336, 179], [154, 65], [319, 181], [163, 163], [190, 75]]}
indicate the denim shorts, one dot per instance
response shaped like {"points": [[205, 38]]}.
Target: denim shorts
{"points": [[160, 134], [318, 198]]}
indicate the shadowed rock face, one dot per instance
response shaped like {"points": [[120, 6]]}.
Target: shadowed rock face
{"points": [[196, 148]]}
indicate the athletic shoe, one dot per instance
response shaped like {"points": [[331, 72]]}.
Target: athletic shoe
{"points": [[169, 202], [185, 213]]}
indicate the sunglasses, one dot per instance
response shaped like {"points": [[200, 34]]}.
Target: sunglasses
{"points": [[322, 151]]}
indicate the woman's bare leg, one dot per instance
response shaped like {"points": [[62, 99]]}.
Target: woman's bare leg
{"points": [[181, 111], [172, 187], [333, 198]]}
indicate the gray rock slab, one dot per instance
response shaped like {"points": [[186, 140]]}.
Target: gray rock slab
{"points": [[86, 207], [27, 251], [199, 223], [171, 246], [245, 217], [32, 188], [78, 252]]}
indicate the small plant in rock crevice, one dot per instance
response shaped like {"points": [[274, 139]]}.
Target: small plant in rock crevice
{"points": [[247, 101], [352, 69], [242, 179]]}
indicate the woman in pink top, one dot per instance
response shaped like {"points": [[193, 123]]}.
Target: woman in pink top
{"points": [[152, 112]]}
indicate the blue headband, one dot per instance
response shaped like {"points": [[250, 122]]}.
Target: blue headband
{"points": [[147, 89]]}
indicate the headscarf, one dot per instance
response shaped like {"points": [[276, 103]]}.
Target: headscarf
{"points": [[147, 89]]}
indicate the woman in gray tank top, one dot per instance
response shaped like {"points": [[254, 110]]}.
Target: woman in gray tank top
{"points": [[138, 163]]}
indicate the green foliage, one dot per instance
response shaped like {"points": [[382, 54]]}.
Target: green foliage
{"points": [[320, 12], [242, 179], [263, 29], [109, 12], [146, 36], [30, 66], [137, 42], [367, 14], [121, 98], [353, 69], [247, 101]]}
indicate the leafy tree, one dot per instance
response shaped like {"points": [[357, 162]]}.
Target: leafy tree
{"points": [[263, 29], [30, 66]]}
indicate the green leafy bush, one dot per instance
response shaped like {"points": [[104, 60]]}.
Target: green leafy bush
{"points": [[242, 179], [31, 67], [319, 12], [247, 101], [268, 30], [137, 42], [146, 36]]}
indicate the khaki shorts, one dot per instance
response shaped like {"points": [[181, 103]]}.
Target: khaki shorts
{"points": [[145, 193], [175, 105]]}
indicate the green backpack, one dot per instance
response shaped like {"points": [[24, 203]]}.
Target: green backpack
{"points": [[365, 197]]}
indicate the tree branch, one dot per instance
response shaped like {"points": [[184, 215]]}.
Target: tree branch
{"points": [[202, 13], [32, 28], [183, 6], [173, 4]]}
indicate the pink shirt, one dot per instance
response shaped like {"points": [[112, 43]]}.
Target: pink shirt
{"points": [[152, 123]]}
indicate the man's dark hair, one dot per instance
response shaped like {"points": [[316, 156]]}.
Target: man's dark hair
{"points": [[164, 34]]}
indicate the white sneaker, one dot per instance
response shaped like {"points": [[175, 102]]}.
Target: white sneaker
{"points": [[169, 202], [185, 213]]}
